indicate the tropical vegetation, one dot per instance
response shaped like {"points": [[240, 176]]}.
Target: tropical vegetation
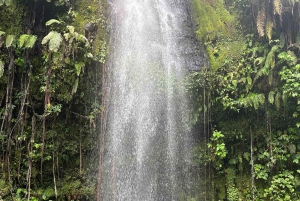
{"points": [[246, 105]]}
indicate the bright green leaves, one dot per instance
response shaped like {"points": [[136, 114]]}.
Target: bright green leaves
{"points": [[78, 67], [252, 100], [27, 41], [217, 148], [282, 187], [9, 40], [54, 40], [261, 171]]}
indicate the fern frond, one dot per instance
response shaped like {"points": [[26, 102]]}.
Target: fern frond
{"points": [[271, 97], [269, 29], [258, 61], [270, 60], [277, 100], [261, 21], [277, 7]]}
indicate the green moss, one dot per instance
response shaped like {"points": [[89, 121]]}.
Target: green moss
{"points": [[212, 18], [216, 28]]}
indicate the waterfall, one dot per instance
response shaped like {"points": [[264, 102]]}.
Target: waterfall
{"points": [[148, 137]]}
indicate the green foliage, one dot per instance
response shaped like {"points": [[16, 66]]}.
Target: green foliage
{"points": [[9, 40], [54, 39], [62, 65], [217, 149], [27, 41], [282, 187], [52, 21]]}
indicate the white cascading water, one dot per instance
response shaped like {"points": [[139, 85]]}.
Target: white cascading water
{"points": [[148, 138]]}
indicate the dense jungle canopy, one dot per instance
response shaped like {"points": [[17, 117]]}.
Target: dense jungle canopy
{"points": [[246, 104]]}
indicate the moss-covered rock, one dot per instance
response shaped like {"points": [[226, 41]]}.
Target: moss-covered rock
{"points": [[216, 27]]}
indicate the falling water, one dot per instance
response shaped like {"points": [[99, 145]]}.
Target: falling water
{"points": [[148, 138]]}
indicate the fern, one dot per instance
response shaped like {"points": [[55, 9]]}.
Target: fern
{"points": [[271, 97], [270, 60], [258, 61], [269, 64], [1, 68], [269, 29], [261, 21], [277, 7], [9, 40], [54, 39]]}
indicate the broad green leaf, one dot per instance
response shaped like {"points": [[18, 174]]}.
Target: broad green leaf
{"points": [[31, 41], [1, 2], [9, 40], [23, 39], [54, 38], [52, 21]]}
